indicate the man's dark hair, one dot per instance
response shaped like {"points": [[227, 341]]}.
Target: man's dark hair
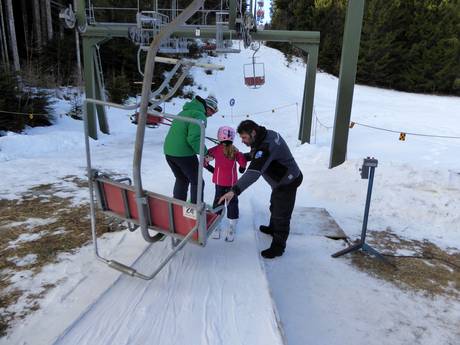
{"points": [[247, 126]]}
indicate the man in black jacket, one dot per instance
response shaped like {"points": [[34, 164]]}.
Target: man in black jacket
{"points": [[270, 158]]}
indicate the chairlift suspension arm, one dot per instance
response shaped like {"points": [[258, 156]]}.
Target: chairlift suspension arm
{"points": [[174, 89], [166, 81], [189, 63], [254, 60]]}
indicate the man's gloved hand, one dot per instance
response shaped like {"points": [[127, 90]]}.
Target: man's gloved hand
{"points": [[241, 170]]}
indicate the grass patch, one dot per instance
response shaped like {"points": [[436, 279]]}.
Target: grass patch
{"points": [[62, 227], [420, 265]]}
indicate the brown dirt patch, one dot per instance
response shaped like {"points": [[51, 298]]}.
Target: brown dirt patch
{"points": [[62, 227], [421, 266]]}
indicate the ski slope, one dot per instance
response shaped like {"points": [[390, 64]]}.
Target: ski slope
{"points": [[212, 295], [219, 294]]}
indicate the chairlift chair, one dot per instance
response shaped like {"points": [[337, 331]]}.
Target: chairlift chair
{"points": [[184, 222], [153, 121], [254, 73], [260, 13]]}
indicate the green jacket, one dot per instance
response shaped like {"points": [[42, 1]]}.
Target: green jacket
{"points": [[183, 138]]}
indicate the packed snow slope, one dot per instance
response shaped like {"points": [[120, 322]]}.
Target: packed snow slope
{"points": [[415, 193]]}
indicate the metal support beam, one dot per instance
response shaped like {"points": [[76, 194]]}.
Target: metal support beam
{"points": [[232, 14], [311, 37], [308, 41], [100, 94], [309, 91], [91, 87], [80, 13], [189, 31], [348, 66]]}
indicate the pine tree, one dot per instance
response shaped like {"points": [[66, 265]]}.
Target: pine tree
{"points": [[410, 45], [12, 35], [15, 100]]}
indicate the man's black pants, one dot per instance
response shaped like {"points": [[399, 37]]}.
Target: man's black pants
{"points": [[282, 203], [185, 170]]}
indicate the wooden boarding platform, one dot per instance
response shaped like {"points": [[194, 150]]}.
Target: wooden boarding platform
{"points": [[315, 221]]}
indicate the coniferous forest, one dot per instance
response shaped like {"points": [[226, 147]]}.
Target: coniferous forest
{"points": [[408, 45]]}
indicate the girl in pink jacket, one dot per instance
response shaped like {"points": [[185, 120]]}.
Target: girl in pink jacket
{"points": [[224, 176]]}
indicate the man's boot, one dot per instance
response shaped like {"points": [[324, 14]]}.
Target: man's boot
{"points": [[266, 230], [272, 252]]}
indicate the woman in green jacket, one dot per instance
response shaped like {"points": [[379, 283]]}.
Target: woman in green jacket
{"points": [[182, 144]]}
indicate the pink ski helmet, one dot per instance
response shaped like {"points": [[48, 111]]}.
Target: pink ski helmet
{"points": [[225, 133]]}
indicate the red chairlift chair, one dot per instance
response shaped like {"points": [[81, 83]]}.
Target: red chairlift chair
{"points": [[254, 73], [153, 121], [260, 13], [183, 222]]}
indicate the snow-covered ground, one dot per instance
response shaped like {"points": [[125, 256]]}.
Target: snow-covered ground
{"points": [[416, 193]]}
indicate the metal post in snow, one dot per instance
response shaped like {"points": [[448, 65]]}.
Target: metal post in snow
{"points": [[367, 172]]}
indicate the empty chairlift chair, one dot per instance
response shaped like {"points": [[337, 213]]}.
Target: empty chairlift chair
{"points": [[254, 73]]}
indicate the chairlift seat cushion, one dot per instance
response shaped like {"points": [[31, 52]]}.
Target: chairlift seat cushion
{"points": [[152, 120], [254, 81], [119, 200]]}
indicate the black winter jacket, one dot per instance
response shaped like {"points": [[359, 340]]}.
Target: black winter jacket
{"points": [[271, 158]]}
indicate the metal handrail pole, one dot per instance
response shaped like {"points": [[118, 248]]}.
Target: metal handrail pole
{"points": [[368, 204], [139, 62], [181, 244], [89, 173], [199, 193], [135, 106], [113, 105]]}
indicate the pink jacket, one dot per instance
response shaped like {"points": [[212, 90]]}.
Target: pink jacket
{"points": [[225, 169]]}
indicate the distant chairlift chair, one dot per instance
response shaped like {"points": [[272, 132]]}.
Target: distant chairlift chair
{"points": [[254, 73]]}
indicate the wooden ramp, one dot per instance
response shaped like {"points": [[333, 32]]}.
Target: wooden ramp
{"points": [[315, 221]]}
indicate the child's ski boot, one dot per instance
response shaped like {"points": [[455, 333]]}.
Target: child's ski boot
{"points": [[230, 235]]}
